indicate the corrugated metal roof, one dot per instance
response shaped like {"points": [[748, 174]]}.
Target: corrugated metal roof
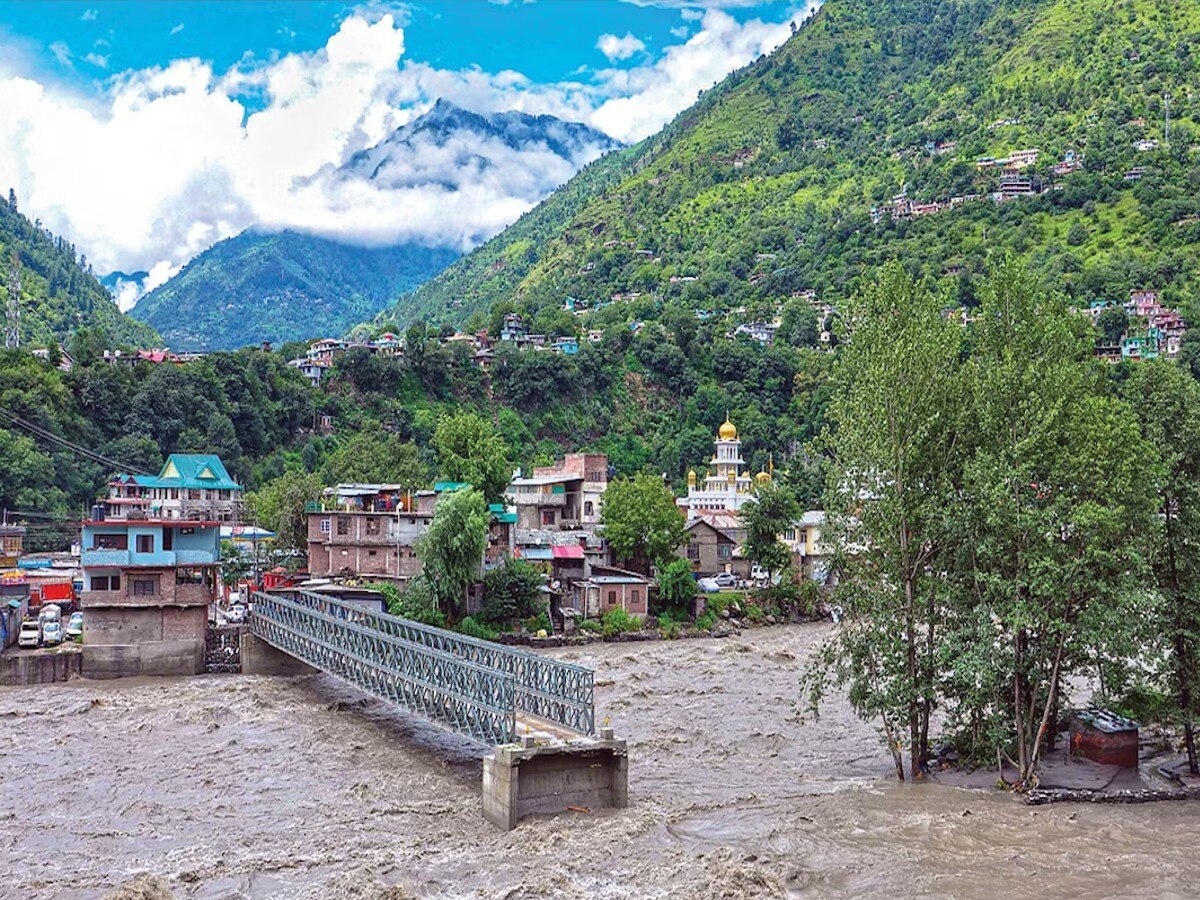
{"points": [[569, 552]]}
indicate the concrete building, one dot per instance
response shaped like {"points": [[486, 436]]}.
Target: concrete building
{"points": [[709, 549], [725, 487], [566, 495], [813, 559], [150, 554], [368, 530], [12, 543], [608, 587], [191, 486]]}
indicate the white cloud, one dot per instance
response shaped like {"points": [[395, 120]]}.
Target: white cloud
{"points": [[61, 52], [616, 48], [89, 15], [178, 28], [647, 97], [101, 62], [680, 31], [169, 160]]}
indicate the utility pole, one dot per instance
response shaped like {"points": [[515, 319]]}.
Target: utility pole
{"points": [[12, 327]]}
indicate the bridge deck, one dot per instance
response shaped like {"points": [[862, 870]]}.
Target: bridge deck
{"points": [[488, 692]]}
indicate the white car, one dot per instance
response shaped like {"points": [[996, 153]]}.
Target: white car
{"points": [[708, 585], [75, 625], [236, 614], [30, 635], [726, 580], [52, 633]]}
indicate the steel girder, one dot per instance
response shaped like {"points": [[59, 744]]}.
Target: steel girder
{"points": [[485, 684]]}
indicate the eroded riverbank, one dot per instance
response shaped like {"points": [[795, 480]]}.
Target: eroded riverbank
{"points": [[233, 786]]}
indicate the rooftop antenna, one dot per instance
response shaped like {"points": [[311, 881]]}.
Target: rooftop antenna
{"points": [[12, 326]]}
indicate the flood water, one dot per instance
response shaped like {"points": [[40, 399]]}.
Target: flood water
{"points": [[236, 786]]}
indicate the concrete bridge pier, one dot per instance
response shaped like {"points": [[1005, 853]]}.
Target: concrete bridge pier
{"points": [[261, 658], [540, 776]]}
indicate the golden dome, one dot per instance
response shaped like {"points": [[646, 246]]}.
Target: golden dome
{"points": [[763, 477], [727, 432]]}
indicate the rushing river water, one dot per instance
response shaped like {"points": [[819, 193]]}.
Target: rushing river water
{"points": [[234, 786]]}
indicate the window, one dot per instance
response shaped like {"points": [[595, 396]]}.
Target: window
{"points": [[187, 530], [635, 597], [370, 553], [693, 550], [145, 543], [189, 576], [372, 526], [725, 551], [324, 526], [588, 508], [343, 525], [168, 538], [143, 587], [612, 598], [106, 582], [112, 542], [547, 517], [789, 534]]}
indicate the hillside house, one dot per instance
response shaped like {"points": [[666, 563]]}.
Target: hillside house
{"points": [[368, 530]]}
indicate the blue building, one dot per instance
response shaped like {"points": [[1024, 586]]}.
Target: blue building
{"points": [[150, 555]]}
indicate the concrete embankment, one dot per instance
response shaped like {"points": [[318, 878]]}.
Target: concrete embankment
{"points": [[39, 668]]}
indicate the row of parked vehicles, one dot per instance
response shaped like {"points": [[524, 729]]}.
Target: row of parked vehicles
{"points": [[48, 629]]}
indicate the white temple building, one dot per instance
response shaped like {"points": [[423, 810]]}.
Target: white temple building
{"points": [[725, 487]]}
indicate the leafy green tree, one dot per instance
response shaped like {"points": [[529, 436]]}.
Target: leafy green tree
{"points": [[893, 437], [375, 456], [640, 520], [798, 325], [451, 551], [27, 476], [278, 506], [1167, 400], [469, 450], [1055, 499], [510, 592], [676, 588], [1113, 323], [765, 518]]}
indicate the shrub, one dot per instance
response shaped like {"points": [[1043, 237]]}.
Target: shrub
{"points": [[539, 622], [510, 592], [590, 625], [472, 628], [706, 622], [617, 621], [417, 602]]}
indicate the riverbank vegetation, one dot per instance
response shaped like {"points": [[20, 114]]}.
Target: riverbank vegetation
{"points": [[1008, 517]]}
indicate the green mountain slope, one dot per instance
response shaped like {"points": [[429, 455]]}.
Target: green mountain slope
{"points": [[58, 292], [765, 187], [280, 287]]}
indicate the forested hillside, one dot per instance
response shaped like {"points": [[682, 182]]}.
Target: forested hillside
{"points": [[766, 186], [280, 287], [59, 293]]}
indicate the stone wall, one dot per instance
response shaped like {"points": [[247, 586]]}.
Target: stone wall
{"points": [[39, 668], [121, 642]]}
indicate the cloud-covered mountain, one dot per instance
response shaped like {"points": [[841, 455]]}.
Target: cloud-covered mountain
{"points": [[289, 286], [126, 287]]}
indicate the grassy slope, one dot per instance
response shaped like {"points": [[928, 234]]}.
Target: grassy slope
{"points": [[724, 183]]}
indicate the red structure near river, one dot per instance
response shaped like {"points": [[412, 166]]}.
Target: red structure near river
{"points": [[1105, 738]]}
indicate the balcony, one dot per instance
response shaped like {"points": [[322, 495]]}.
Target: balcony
{"points": [[538, 499], [195, 558], [109, 558]]}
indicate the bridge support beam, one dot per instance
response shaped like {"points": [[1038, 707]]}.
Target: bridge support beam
{"points": [[545, 777], [260, 658]]}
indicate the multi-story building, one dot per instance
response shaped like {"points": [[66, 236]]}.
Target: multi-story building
{"points": [[368, 530], [191, 486], [725, 487], [12, 542], [150, 553], [813, 558], [564, 496]]}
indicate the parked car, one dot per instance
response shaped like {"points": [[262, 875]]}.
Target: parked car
{"points": [[52, 633], [758, 573], [75, 625], [726, 580], [708, 585], [236, 614], [30, 635]]}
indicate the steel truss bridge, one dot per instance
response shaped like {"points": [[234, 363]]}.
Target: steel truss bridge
{"points": [[476, 688]]}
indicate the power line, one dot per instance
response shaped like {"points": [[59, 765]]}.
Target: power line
{"points": [[45, 434]]}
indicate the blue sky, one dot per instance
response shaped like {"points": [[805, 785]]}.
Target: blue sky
{"points": [[550, 40], [146, 131]]}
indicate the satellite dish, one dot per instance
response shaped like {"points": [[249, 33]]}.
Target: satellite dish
{"points": [[556, 584]]}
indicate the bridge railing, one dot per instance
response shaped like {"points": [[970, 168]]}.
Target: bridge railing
{"points": [[556, 691], [447, 689]]}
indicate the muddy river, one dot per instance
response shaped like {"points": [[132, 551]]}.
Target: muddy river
{"points": [[234, 786]]}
